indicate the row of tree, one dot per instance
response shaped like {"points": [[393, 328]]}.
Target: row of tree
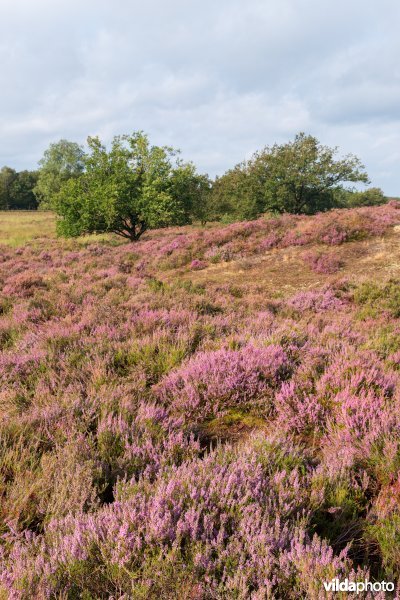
{"points": [[17, 189], [134, 186]]}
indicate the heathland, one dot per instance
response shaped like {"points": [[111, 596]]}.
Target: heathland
{"points": [[207, 413]]}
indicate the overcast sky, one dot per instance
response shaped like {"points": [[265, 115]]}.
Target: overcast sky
{"points": [[216, 78]]}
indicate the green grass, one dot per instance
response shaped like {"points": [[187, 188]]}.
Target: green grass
{"points": [[17, 227]]}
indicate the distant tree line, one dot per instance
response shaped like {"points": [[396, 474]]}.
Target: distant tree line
{"points": [[17, 189], [133, 186]]}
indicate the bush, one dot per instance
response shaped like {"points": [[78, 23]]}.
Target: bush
{"points": [[214, 382], [380, 297], [370, 197], [322, 263]]}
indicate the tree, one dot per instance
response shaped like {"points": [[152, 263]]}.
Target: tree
{"points": [[22, 196], [301, 176], [371, 197], [7, 178], [16, 189], [127, 190], [194, 191], [61, 162], [238, 194], [201, 207]]}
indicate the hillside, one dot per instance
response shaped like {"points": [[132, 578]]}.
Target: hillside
{"points": [[207, 413]]}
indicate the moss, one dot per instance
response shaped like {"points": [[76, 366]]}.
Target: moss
{"points": [[233, 423]]}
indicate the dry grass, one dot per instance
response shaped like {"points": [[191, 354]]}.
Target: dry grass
{"points": [[21, 226], [282, 272]]}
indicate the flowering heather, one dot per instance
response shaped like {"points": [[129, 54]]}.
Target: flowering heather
{"points": [[213, 382], [322, 263], [239, 240], [320, 300], [172, 427], [197, 265]]}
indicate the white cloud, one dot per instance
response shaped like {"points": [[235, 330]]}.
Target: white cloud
{"points": [[217, 79]]}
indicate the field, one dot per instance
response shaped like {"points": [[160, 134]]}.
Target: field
{"points": [[17, 227], [205, 414]]}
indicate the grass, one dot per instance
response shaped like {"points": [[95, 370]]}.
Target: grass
{"points": [[20, 227], [17, 227]]}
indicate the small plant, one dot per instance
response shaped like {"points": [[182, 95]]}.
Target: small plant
{"points": [[155, 285], [386, 297], [333, 235], [197, 265], [322, 263]]}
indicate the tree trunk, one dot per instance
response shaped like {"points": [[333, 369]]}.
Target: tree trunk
{"points": [[131, 229]]}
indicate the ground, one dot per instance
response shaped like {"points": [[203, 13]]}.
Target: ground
{"points": [[207, 413]]}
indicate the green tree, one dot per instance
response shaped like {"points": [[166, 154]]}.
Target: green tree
{"points": [[22, 196], [301, 176], [193, 190], [61, 162], [371, 197], [7, 178], [130, 188], [238, 194]]}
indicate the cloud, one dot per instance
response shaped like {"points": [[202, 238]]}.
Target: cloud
{"points": [[217, 79]]}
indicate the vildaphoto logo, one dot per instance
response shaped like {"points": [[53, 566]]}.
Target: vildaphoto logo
{"points": [[335, 585]]}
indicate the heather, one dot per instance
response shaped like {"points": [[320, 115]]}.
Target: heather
{"points": [[206, 413], [254, 238]]}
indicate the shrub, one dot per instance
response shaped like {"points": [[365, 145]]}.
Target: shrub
{"points": [[214, 382], [333, 235], [371, 197], [197, 265], [144, 535], [316, 301], [376, 296], [161, 438], [322, 263]]}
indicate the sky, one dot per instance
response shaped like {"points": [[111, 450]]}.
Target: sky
{"points": [[218, 79]]}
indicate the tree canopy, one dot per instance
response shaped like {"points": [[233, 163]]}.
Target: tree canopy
{"points": [[133, 186], [16, 189], [301, 176], [7, 178], [373, 196], [128, 189], [62, 161]]}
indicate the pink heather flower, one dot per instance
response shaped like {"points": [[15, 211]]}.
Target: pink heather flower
{"points": [[322, 263], [213, 382], [316, 301], [333, 235], [198, 265]]}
